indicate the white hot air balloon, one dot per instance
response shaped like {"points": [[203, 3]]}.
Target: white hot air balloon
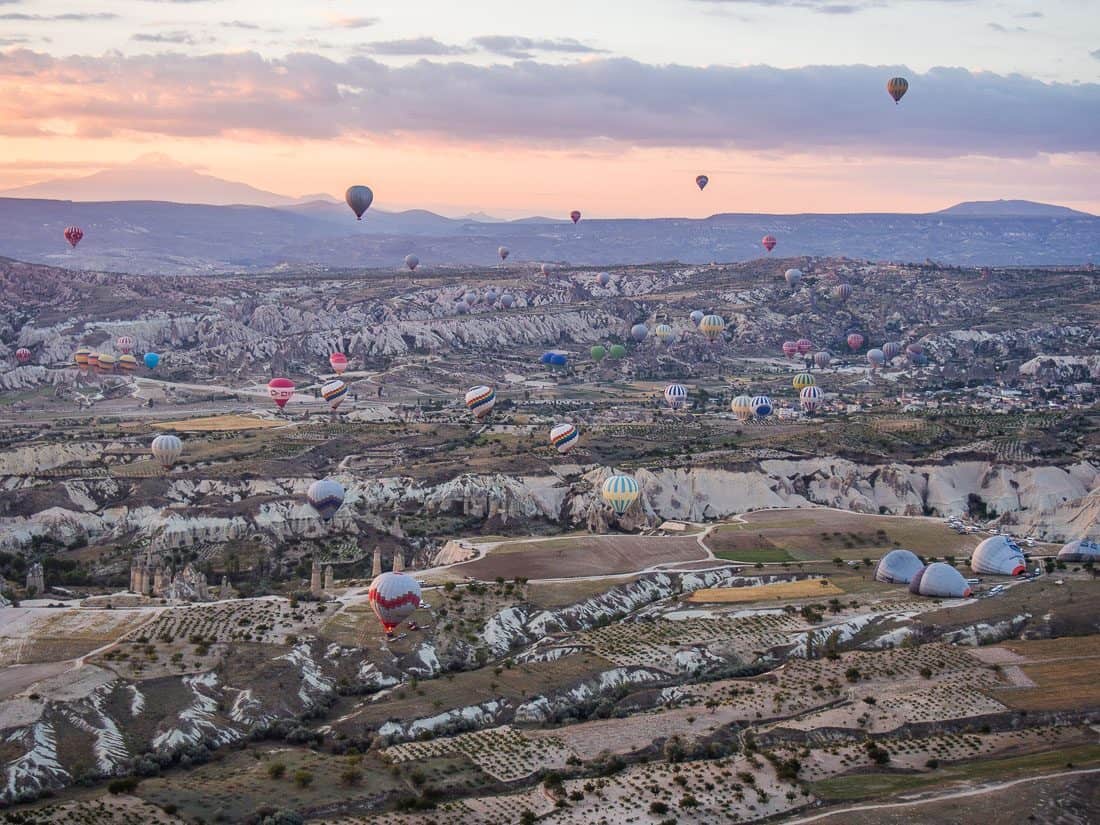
{"points": [[325, 496], [167, 449], [393, 597]]}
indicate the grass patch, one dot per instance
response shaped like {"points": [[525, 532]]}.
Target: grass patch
{"points": [[804, 588], [764, 555]]}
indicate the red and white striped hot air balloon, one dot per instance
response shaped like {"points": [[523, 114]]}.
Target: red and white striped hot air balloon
{"points": [[73, 234], [769, 242], [804, 346], [393, 597], [281, 390], [790, 348], [22, 355], [124, 344], [339, 362]]}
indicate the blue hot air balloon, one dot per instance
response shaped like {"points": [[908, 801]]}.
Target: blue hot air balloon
{"points": [[151, 360]]}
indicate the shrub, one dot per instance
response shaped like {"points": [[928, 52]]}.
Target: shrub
{"points": [[303, 778], [276, 770], [125, 784]]}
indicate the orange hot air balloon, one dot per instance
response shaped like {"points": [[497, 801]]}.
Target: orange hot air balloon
{"points": [[897, 87]]}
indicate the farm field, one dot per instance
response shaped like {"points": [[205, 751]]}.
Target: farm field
{"points": [[219, 424], [777, 591], [1063, 672], [582, 556]]}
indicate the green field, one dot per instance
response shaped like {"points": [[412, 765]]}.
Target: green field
{"points": [[865, 786], [764, 555]]}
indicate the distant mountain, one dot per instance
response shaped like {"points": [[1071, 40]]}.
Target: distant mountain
{"points": [[481, 217], [159, 237], [153, 178], [1011, 209]]}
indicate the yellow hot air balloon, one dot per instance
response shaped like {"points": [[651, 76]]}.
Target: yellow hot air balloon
{"points": [[897, 87]]}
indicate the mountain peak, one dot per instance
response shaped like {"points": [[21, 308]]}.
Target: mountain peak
{"points": [[1011, 209]]}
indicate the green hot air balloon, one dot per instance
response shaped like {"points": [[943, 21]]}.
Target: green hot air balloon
{"points": [[598, 353], [617, 351]]}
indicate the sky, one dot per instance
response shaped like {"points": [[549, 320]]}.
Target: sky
{"points": [[612, 107]]}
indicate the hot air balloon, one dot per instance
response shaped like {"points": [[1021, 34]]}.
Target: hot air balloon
{"points": [[151, 360], [574, 216], [325, 496], [490, 296], [22, 355], [697, 316], [598, 353], [393, 597], [80, 357], [470, 298], [855, 341], [639, 332], [898, 567], [676, 395], [701, 181], [664, 333], [897, 87], [616, 352], [603, 279], [804, 346], [620, 492], [891, 349], [124, 343], [412, 262], [761, 406], [339, 362], [127, 363], [769, 242], [545, 269], [480, 401], [802, 380], [810, 397], [555, 359], [334, 393], [167, 449], [506, 300], [822, 359], [712, 326], [503, 252], [842, 292], [462, 308], [939, 580], [876, 358], [790, 348], [106, 363], [563, 437], [793, 277], [741, 407], [281, 390], [93, 361], [73, 234], [359, 198], [915, 348]]}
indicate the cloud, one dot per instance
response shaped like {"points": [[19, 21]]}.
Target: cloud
{"points": [[179, 37], [523, 48], [997, 27], [823, 6], [845, 110], [353, 22], [425, 46], [80, 17], [1095, 53]]}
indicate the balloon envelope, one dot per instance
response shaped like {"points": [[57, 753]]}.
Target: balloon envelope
{"points": [[639, 332], [712, 326], [761, 406], [563, 437], [617, 351], [281, 390], [393, 598], [359, 198], [73, 234], [676, 395], [412, 262], [167, 449], [503, 252], [620, 492], [334, 392], [22, 355], [339, 362], [701, 181], [506, 300], [810, 397], [598, 352], [741, 407], [896, 87], [603, 279], [325, 496], [769, 242], [481, 400], [151, 360], [574, 216]]}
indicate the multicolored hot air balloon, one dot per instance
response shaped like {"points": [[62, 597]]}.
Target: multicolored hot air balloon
{"points": [[506, 300], [480, 401], [151, 360], [802, 380], [281, 390], [503, 252], [22, 355], [80, 357], [697, 316], [664, 333], [790, 348], [855, 341], [574, 216], [701, 181], [617, 352], [842, 292], [793, 277], [393, 597], [334, 392], [73, 234], [127, 363], [768, 242], [124, 344], [761, 406], [676, 395], [876, 358], [603, 279], [325, 496], [804, 346], [810, 397], [891, 349], [620, 492], [338, 361], [741, 407], [639, 332], [167, 449], [822, 359], [359, 198], [93, 361], [897, 87], [712, 327], [105, 363], [563, 437], [412, 262]]}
